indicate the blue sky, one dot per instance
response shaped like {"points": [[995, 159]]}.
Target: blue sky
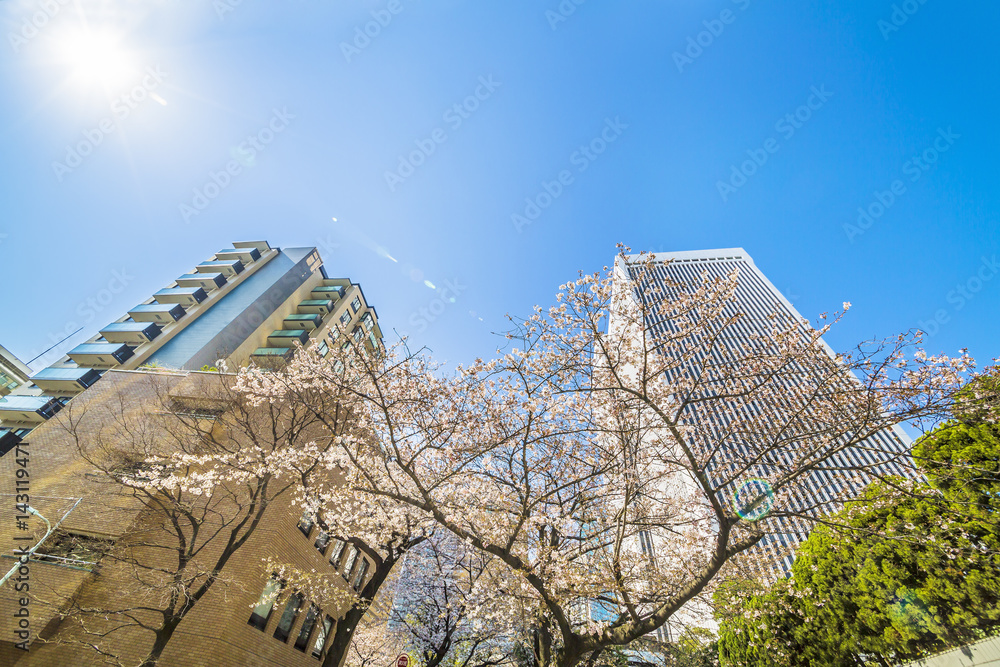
{"points": [[893, 110]]}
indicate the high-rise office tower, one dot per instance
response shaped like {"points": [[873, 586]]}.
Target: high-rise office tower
{"points": [[823, 489]]}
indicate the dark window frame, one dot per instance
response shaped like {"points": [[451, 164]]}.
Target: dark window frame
{"points": [[258, 621], [306, 524], [338, 553], [291, 613], [359, 576], [327, 629], [313, 614], [325, 542]]}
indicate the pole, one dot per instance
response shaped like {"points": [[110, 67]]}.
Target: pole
{"points": [[51, 529]]}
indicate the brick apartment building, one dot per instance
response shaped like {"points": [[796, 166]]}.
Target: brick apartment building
{"points": [[103, 578]]}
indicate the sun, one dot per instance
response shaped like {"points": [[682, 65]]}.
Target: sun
{"points": [[96, 58]]}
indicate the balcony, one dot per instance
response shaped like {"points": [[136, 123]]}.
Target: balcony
{"points": [[157, 312], [320, 306], [101, 355], [133, 333], [260, 246], [11, 438], [186, 296], [33, 409], [65, 379], [271, 357], [287, 337], [307, 321], [228, 268], [333, 292], [245, 255], [206, 281]]}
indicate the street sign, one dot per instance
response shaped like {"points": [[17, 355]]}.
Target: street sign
{"points": [[403, 660]]}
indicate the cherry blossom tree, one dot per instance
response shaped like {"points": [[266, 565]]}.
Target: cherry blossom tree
{"points": [[630, 443], [447, 608], [189, 468]]}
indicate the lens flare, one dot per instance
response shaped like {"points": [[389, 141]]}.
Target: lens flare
{"points": [[754, 500]]}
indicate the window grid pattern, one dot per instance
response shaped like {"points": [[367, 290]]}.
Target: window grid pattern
{"points": [[822, 491]]}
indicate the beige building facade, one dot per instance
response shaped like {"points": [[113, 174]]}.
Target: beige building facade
{"points": [[119, 557]]}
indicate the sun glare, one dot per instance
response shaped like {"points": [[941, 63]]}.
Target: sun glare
{"points": [[95, 57]]}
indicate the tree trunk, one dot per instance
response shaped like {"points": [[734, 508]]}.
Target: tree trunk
{"points": [[344, 633], [163, 636], [342, 637], [434, 659]]}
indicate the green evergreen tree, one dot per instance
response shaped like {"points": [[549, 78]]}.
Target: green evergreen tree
{"points": [[906, 570]]}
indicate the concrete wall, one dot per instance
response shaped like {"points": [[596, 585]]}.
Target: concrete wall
{"points": [[985, 653]]}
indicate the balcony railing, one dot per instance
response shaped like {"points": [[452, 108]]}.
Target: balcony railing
{"points": [[133, 333], [207, 280], [100, 354], [272, 357], [229, 268], [28, 408], [245, 255], [286, 337], [321, 306], [157, 312], [188, 296], [65, 379], [333, 292], [308, 321]]}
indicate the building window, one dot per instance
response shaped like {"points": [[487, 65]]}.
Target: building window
{"points": [[323, 348], [358, 333], [306, 523], [352, 558], [356, 304], [345, 319], [368, 321], [322, 542], [359, 578], [302, 641], [262, 611], [338, 551], [14, 439], [324, 632], [7, 382], [288, 617]]}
